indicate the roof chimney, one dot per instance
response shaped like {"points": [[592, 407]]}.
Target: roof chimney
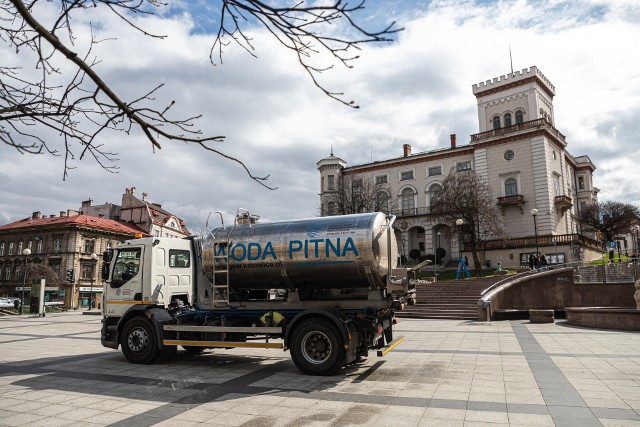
{"points": [[36, 215], [63, 214], [87, 203], [144, 197], [453, 140], [406, 148], [52, 216]]}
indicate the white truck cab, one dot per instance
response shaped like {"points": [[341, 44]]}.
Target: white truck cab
{"points": [[149, 271]]}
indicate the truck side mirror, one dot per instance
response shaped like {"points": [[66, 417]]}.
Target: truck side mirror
{"points": [[106, 263]]}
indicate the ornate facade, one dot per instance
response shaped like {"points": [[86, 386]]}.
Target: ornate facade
{"points": [[518, 152]]}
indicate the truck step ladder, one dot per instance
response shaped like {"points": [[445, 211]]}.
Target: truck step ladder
{"points": [[220, 278], [221, 272]]}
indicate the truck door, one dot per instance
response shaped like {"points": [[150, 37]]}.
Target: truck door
{"points": [[125, 288]]}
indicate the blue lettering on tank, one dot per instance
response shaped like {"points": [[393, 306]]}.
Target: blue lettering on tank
{"points": [[268, 250], [312, 248], [292, 249], [349, 246], [315, 246], [221, 250], [335, 249], [233, 251], [254, 251]]}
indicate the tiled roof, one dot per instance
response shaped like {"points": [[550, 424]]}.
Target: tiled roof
{"points": [[162, 217], [79, 220]]}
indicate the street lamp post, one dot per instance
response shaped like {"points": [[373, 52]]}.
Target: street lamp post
{"points": [[555, 245], [26, 254], [459, 223], [534, 214], [94, 258], [438, 233]]}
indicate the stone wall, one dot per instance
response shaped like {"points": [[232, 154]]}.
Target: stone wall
{"points": [[553, 289]]}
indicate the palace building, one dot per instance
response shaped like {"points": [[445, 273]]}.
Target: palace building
{"points": [[518, 151]]}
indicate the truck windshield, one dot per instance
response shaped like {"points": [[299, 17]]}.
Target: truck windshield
{"points": [[127, 265]]}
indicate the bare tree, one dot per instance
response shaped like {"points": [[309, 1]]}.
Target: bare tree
{"points": [[37, 271], [63, 111], [611, 219], [359, 195], [467, 196]]}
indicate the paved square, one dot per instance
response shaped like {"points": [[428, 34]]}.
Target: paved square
{"points": [[54, 372]]}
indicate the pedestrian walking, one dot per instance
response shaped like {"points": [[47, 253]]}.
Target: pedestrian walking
{"points": [[462, 268]]}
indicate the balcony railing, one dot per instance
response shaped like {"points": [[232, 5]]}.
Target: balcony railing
{"points": [[517, 200], [518, 127], [561, 239], [400, 213]]}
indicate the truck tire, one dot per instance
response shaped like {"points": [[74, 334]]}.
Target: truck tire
{"points": [[139, 341], [317, 347]]}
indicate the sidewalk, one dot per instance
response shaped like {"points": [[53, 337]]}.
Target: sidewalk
{"points": [[54, 372]]}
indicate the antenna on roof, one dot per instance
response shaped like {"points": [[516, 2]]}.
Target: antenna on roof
{"points": [[332, 149], [511, 59]]}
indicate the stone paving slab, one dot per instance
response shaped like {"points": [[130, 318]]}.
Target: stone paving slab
{"points": [[54, 372]]}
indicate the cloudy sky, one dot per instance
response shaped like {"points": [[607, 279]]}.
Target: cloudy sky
{"points": [[416, 90]]}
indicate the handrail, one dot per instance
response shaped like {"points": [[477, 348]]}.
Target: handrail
{"points": [[506, 279]]}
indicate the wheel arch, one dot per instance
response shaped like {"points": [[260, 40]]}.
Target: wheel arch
{"points": [[155, 314], [336, 317]]}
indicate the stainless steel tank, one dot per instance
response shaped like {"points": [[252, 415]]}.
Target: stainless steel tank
{"points": [[349, 251]]}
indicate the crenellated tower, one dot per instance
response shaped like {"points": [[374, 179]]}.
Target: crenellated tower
{"points": [[510, 99]]}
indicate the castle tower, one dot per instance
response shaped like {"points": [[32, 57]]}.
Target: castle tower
{"points": [[522, 155], [516, 98], [330, 172]]}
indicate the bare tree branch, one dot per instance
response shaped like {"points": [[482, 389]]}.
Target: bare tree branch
{"points": [[302, 29], [467, 196], [611, 218], [359, 195], [80, 106]]}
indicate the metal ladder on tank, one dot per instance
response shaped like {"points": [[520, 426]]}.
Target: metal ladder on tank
{"points": [[220, 269]]}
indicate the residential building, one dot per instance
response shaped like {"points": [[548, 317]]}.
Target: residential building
{"points": [[146, 215], [65, 242], [518, 151]]}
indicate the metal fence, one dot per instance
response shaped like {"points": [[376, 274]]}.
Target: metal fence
{"points": [[626, 270]]}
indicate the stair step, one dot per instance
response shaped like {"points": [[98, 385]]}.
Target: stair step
{"points": [[448, 299]]}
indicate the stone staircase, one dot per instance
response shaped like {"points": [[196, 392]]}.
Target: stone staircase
{"points": [[455, 299]]}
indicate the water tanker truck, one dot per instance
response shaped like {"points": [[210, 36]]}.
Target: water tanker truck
{"points": [[321, 288]]}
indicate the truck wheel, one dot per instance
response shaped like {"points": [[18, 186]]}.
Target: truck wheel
{"points": [[317, 348], [139, 342]]}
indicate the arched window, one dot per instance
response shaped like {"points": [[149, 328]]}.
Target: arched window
{"points": [[496, 122], [382, 202], [519, 117], [507, 119], [510, 187], [434, 192], [408, 201]]}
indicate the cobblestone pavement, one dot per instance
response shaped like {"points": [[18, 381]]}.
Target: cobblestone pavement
{"points": [[54, 372]]}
